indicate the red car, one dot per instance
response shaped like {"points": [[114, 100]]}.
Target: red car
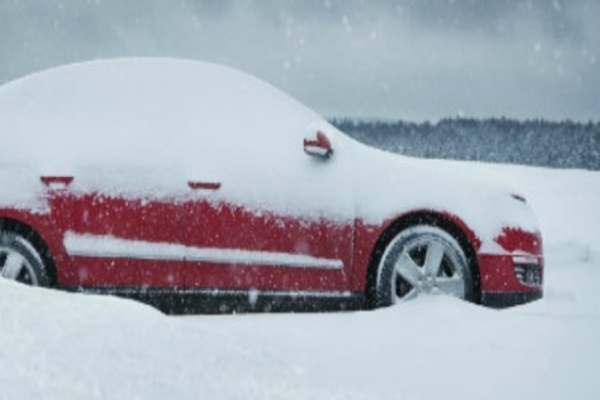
{"points": [[195, 187]]}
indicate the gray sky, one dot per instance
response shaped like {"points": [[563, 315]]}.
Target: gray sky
{"points": [[411, 59]]}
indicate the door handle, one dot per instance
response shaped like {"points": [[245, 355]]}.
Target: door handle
{"points": [[197, 185], [56, 182]]}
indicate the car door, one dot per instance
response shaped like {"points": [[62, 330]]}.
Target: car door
{"points": [[116, 240], [266, 216]]}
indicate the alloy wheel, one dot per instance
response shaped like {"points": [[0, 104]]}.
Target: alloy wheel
{"points": [[423, 260], [16, 267]]}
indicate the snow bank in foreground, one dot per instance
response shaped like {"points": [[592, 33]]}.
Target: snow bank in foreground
{"points": [[70, 346], [64, 346]]}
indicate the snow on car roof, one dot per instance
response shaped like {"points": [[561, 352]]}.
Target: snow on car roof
{"points": [[142, 112]]}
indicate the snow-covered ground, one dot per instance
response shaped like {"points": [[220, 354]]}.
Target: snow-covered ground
{"points": [[69, 346]]}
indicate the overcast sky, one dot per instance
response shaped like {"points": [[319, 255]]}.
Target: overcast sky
{"points": [[410, 59]]}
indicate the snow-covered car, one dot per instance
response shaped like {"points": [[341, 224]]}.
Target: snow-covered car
{"points": [[195, 187]]}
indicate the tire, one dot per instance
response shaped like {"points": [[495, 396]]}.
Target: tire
{"points": [[20, 261], [423, 259]]}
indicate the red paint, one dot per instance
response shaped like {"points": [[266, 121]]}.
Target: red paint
{"points": [[221, 225], [201, 222], [321, 141], [136, 219], [515, 240], [497, 271]]}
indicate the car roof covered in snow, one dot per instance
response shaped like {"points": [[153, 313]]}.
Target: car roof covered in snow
{"points": [[143, 110]]}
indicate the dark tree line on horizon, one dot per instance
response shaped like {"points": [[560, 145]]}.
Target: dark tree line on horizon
{"points": [[565, 144]]}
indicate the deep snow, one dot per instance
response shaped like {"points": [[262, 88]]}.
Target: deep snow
{"points": [[69, 346]]}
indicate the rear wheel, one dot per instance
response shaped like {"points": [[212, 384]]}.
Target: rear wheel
{"points": [[423, 260], [20, 261]]}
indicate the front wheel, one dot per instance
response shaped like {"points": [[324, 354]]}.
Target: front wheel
{"points": [[20, 261], [421, 260]]}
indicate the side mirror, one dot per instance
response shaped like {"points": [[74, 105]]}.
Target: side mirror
{"points": [[318, 147]]}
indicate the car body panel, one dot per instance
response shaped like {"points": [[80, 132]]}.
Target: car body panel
{"points": [[195, 223], [221, 225]]}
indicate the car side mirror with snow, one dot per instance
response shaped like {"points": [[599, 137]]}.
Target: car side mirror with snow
{"points": [[319, 147]]}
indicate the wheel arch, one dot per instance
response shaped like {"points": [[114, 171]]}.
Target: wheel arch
{"points": [[37, 241], [466, 238]]}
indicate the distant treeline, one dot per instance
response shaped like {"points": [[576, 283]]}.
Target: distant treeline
{"points": [[564, 144]]}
